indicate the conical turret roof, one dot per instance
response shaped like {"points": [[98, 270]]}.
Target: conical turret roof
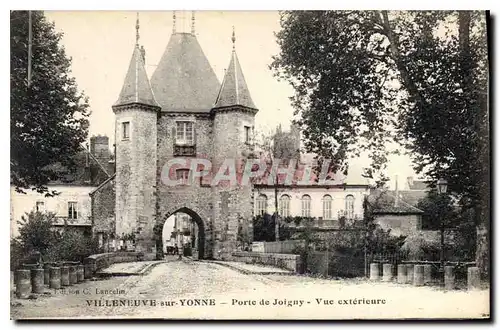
{"points": [[136, 87], [184, 80], [234, 90]]}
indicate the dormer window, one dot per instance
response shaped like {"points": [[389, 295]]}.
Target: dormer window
{"points": [[184, 133]]}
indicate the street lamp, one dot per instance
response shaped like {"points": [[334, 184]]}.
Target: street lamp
{"points": [[442, 186]]}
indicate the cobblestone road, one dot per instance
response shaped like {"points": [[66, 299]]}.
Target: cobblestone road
{"points": [[176, 289]]}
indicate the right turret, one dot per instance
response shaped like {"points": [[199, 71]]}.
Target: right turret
{"points": [[234, 113], [233, 130]]}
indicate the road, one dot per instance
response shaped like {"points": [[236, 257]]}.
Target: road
{"points": [[202, 290]]}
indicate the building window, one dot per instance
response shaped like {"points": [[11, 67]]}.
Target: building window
{"points": [[284, 206], [327, 207], [261, 206], [349, 206], [184, 133], [40, 206], [306, 206], [248, 134], [182, 176], [125, 130], [72, 210]]}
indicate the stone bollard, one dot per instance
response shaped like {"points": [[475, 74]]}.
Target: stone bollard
{"points": [[449, 277], [87, 271], [64, 276], [387, 273], [427, 274], [418, 275], [37, 280], [374, 272], [80, 276], [473, 278], [402, 273], [72, 275], [55, 277], [23, 283], [409, 273], [46, 274]]}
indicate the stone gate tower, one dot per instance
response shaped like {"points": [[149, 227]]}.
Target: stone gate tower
{"points": [[185, 112], [136, 114]]}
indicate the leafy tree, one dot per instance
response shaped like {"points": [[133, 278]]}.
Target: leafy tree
{"points": [[278, 150], [438, 211], [48, 116], [36, 233], [364, 80]]}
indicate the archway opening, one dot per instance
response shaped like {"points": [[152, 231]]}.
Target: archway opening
{"points": [[183, 233]]}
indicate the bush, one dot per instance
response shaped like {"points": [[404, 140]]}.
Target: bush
{"points": [[72, 246], [38, 237], [381, 241], [418, 247], [36, 232]]}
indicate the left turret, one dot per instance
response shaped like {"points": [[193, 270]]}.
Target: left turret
{"points": [[136, 114]]}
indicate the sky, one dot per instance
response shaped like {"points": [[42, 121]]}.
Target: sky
{"points": [[100, 44]]}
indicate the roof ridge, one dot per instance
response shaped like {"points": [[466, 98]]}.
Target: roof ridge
{"points": [[403, 201]]}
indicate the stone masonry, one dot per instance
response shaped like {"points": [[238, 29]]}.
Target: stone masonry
{"points": [[184, 88]]}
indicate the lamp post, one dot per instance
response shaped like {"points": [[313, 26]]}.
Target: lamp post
{"points": [[442, 186]]}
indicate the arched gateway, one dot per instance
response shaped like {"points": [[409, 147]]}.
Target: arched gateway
{"points": [[200, 232], [183, 111]]}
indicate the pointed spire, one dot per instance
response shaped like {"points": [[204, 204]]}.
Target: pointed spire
{"points": [[136, 87], [137, 29], [192, 23], [234, 90], [173, 25]]}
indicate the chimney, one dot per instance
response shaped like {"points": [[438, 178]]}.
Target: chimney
{"points": [[396, 200], [99, 148], [410, 181]]}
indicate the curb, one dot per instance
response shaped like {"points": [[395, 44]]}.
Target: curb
{"points": [[245, 271], [141, 272]]}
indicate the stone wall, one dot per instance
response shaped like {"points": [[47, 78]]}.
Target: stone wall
{"points": [[285, 261], [234, 204], [103, 260], [136, 159], [195, 196]]}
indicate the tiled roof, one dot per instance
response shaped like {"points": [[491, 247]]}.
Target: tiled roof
{"points": [[184, 80], [86, 172], [412, 197], [383, 202], [234, 90], [136, 87]]}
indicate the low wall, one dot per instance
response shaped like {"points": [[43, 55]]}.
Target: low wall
{"points": [[103, 260], [335, 264], [285, 261], [280, 247]]}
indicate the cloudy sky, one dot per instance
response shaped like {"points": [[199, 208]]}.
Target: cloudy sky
{"points": [[101, 43]]}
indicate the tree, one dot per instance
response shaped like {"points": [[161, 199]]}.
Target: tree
{"points": [[364, 80], [48, 115], [36, 232], [280, 149]]}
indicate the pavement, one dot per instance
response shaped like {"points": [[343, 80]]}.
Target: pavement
{"points": [[185, 289]]}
